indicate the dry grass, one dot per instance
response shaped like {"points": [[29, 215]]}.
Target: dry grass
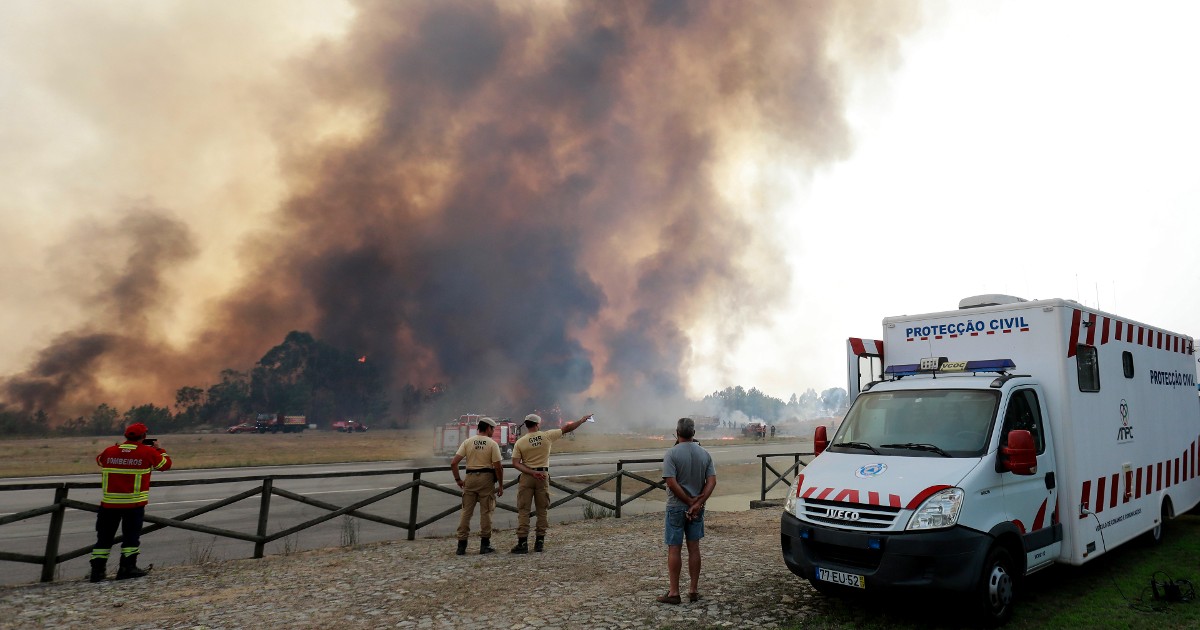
{"points": [[76, 455]]}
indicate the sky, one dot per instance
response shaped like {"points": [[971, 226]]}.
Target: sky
{"points": [[1036, 149], [716, 198]]}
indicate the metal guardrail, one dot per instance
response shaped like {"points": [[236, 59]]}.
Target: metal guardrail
{"points": [[51, 557], [780, 477]]}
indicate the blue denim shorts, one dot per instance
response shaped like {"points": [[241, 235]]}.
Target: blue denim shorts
{"points": [[677, 526]]}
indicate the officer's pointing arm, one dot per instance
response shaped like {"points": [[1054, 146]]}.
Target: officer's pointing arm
{"points": [[571, 426]]}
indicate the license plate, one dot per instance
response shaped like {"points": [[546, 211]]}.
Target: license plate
{"points": [[845, 579]]}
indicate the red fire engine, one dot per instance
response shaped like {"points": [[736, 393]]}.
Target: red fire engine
{"points": [[449, 436]]}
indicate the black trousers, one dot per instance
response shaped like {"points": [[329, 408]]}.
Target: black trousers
{"points": [[128, 519]]}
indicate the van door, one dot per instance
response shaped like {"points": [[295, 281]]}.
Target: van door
{"points": [[864, 364], [1031, 501]]}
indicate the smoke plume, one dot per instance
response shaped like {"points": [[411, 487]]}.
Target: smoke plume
{"points": [[528, 201]]}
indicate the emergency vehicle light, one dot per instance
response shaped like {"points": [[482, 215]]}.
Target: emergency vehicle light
{"points": [[907, 369], [988, 365]]}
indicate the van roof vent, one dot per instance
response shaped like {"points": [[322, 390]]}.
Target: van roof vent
{"points": [[988, 299]]}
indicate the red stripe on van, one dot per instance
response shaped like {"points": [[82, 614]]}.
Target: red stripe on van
{"points": [[873, 498], [1177, 471], [922, 495], [1116, 483], [1149, 478], [809, 492], [1091, 329], [824, 493], [1074, 334], [847, 495], [1104, 333], [1158, 476], [1041, 516], [1137, 488], [1100, 494], [1085, 495], [894, 499], [1120, 327]]}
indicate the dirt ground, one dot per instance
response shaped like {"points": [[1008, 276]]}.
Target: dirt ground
{"points": [[76, 455]]}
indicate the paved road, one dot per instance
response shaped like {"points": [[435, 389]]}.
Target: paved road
{"points": [[174, 546]]}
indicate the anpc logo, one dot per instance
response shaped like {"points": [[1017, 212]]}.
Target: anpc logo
{"points": [[1125, 432]]}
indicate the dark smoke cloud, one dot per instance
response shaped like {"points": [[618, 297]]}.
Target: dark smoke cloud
{"points": [[118, 270], [528, 201]]}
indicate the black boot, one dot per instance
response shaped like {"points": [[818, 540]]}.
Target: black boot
{"points": [[462, 548], [538, 543], [99, 566], [485, 546], [522, 546], [129, 568]]}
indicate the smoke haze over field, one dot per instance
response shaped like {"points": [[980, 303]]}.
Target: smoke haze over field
{"points": [[532, 202]]}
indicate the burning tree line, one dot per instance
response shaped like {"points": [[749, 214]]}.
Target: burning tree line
{"points": [[301, 376]]}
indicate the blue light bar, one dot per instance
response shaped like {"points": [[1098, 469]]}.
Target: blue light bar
{"points": [[903, 370], [990, 365]]}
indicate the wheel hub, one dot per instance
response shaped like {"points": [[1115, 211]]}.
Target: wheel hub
{"points": [[1000, 588]]}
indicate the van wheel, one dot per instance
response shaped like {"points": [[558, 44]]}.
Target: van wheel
{"points": [[1155, 536], [996, 587]]}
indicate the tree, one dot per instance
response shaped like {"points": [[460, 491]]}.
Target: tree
{"points": [[832, 399], [189, 402], [157, 419], [305, 376], [228, 400]]}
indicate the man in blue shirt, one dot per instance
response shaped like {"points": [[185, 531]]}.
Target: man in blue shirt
{"points": [[691, 477]]}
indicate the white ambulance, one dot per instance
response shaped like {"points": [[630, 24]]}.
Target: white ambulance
{"points": [[997, 439]]}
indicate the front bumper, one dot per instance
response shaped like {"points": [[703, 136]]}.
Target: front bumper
{"points": [[946, 559]]}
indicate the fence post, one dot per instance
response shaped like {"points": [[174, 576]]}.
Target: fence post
{"points": [[50, 561], [620, 475], [412, 506], [762, 488], [264, 508]]}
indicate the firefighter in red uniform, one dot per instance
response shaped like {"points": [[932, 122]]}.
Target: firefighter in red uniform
{"points": [[125, 478]]}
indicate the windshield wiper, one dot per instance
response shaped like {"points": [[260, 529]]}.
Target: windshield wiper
{"points": [[932, 448], [858, 445]]}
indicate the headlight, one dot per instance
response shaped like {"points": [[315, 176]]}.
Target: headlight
{"points": [[789, 504], [940, 510]]}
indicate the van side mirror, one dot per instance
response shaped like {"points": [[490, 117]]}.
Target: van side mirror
{"points": [[820, 440], [1020, 456]]}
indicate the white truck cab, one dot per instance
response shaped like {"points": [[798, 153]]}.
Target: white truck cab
{"points": [[997, 440]]}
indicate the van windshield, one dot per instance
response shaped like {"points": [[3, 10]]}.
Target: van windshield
{"points": [[955, 421]]}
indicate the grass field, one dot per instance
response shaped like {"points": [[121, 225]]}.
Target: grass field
{"points": [[75, 455]]}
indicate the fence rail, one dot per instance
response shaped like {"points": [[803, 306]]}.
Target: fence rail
{"points": [[52, 557], [780, 477]]}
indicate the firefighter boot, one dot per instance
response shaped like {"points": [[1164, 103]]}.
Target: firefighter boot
{"points": [[98, 567], [462, 548], [485, 546], [129, 568], [538, 543], [522, 546]]}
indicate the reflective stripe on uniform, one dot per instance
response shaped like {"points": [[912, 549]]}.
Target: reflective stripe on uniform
{"points": [[100, 553], [129, 551], [123, 498]]}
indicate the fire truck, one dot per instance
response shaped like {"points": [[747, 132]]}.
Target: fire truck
{"points": [[449, 436], [275, 423]]}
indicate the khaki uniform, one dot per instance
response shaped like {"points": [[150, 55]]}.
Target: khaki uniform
{"points": [[479, 453], [533, 449]]}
